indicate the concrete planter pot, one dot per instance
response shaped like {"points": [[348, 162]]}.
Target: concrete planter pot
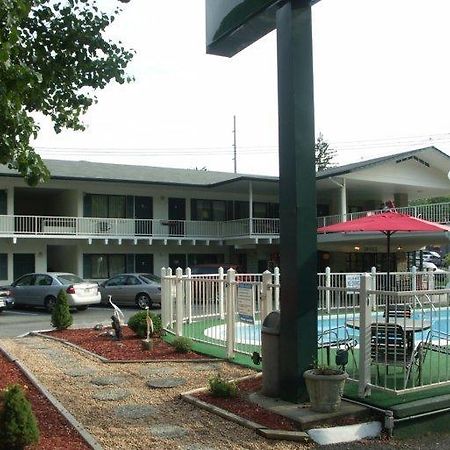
{"points": [[325, 390]]}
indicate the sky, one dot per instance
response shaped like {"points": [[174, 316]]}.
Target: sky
{"points": [[381, 86]]}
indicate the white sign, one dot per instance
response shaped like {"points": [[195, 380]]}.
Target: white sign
{"points": [[353, 281], [245, 302]]}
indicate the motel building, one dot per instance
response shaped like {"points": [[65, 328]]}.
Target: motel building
{"points": [[97, 219]]}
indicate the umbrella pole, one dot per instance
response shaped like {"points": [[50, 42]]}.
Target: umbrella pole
{"points": [[388, 234]]}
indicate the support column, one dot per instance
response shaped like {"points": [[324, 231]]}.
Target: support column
{"points": [[298, 238], [344, 201]]}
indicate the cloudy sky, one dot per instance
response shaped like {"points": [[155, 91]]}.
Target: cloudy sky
{"points": [[382, 71]]}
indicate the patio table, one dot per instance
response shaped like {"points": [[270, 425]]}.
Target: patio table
{"points": [[409, 325]]}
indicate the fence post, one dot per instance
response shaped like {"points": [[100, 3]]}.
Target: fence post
{"points": [[188, 291], [266, 295], [221, 293], [179, 302], [327, 291], [231, 289], [170, 296], [414, 279], [373, 286], [276, 282], [164, 298], [365, 321]]}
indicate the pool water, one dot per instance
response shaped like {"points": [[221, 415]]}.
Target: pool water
{"points": [[251, 334]]}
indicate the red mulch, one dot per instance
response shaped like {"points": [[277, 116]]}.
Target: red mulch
{"points": [[129, 348], [55, 432], [243, 407]]}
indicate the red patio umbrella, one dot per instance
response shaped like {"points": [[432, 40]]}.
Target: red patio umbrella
{"points": [[387, 223]]}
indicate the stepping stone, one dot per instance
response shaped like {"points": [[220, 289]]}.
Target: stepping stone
{"points": [[163, 383], [134, 412], [111, 394], [109, 380], [200, 367], [79, 372], [157, 371], [168, 431]]}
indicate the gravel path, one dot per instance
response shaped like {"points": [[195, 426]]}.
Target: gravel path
{"points": [[68, 375]]}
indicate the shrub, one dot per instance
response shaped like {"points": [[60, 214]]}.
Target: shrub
{"points": [[222, 388], [18, 425], [138, 323], [61, 317], [182, 344]]}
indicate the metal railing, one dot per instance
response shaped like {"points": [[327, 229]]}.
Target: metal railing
{"points": [[182, 229]]}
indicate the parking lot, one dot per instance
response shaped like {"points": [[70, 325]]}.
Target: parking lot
{"points": [[15, 322]]}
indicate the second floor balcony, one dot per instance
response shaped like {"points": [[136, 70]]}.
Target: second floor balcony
{"points": [[22, 226]]}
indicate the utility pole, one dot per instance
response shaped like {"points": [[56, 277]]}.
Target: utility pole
{"points": [[234, 144]]}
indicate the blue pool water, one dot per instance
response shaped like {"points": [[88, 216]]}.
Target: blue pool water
{"points": [[250, 334]]}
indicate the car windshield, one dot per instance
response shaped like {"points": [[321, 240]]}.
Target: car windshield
{"points": [[150, 278], [69, 278]]}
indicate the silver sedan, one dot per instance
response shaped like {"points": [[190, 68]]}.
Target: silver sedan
{"points": [[141, 289]]}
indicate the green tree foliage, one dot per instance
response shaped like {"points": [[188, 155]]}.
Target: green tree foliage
{"points": [[61, 317], [18, 425], [138, 323], [430, 201], [53, 55], [324, 154]]}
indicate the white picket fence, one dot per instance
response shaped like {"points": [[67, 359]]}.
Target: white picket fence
{"points": [[206, 308]]}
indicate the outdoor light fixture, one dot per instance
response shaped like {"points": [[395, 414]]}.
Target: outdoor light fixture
{"points": [[357, 248]]}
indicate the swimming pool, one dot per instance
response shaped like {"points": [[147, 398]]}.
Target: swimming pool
{"points": [[251, 334]]}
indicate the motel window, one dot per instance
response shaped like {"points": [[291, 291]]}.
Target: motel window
{"points": [[3, 202], [114, 206], [211, 210], [100, 266]]}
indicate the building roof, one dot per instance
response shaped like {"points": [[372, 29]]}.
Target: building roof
{"points": [[348, 168], [96, 171]]}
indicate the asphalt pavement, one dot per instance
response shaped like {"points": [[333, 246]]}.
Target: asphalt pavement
{"points": [[15, 322]]}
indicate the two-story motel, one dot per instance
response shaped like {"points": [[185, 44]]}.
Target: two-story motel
{"points": [[97, 219]]}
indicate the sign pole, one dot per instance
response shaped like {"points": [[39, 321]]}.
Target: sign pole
{"points": [[298, 238]]}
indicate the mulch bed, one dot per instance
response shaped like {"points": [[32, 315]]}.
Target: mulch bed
{"points": [[55, 432], [128, 348], [243, 407]]}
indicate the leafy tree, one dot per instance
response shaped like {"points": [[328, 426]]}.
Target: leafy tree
{"points": [[53, 55], [430, 201], [18, 425], [324, 154], [61, 317]]}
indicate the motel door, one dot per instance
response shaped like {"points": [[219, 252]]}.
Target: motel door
{"points": [[23, 263]]}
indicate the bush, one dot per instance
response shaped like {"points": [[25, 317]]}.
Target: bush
{"points": [[18, 425], [61, 317], [182, 344], [222, 388], [138, 323]]}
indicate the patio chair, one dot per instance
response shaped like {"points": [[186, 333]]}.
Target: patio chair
{"points": [[398, 310], [391, 345], [329, 339]]}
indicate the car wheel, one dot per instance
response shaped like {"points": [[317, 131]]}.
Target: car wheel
{"points": [[82, 308], [143, 301], [50, 303]]}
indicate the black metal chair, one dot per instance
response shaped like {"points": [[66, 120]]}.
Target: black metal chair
{"points": [[329, 339], [391, 345]]}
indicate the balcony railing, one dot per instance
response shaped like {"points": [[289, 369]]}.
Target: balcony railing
{"points": [[15, 225], [436, 212]]}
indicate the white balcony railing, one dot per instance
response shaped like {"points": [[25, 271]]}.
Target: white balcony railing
{"points": [[15, 225]]}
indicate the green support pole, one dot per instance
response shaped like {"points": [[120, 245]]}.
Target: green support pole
{"points": [[298, 238]]}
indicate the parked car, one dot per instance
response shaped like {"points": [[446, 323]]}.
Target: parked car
{"points": [[141, 289], [6, 301], [41, 289], [429, 266], [430, 256]]}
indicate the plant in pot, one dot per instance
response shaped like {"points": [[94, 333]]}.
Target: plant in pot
{"points": [[325, 386]]}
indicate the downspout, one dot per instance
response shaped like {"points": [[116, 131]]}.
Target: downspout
{"points": [[343, 197], [250, 206]]}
